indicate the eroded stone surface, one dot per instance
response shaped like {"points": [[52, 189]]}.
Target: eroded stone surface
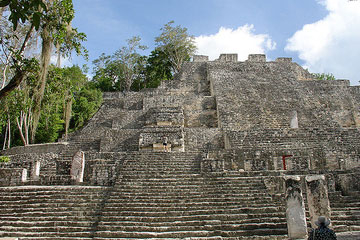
{"points": [[295, 208], [317, 197]]}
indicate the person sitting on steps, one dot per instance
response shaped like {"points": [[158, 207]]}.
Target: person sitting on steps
{"points": [[322, 232], [165, 144]]}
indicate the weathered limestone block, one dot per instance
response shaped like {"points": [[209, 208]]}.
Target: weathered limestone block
{"points": [[212, 165], [151, 139], [284, 59], [275, 184], [24, 175], [256, 58], [228, 57], [317, 197], [36, 170], [294, 123], [78, 167], [165, 116], [347, 183], [200, 58], [295, 208]]}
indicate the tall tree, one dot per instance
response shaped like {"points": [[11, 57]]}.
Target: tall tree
{"points": [[177, 44], [28, 11], [119, 71], [56, 29], [158, 69], [130, 60]]}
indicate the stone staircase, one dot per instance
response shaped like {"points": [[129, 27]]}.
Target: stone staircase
{"points": [[163, 196], [159, 195], [345, 211], [48, 212]]}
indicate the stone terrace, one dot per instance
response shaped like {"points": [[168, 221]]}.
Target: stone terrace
{"points": [[236, 131]]}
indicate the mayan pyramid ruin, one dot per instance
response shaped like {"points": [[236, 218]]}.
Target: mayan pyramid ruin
{"points": [[254, 150]]}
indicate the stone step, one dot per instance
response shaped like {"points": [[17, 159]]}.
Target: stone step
{"points": [[45, 209], [46, 223], [150, 200], [337, 216], [189, 196], [49, 218], [351, 205], [173, 191], [190, 210], [131, 207], [195, 222], [57, 238], [53, 212], [265, 210], [53, 235], [345, 211], [49, 189], [190, 234], [219, 217], [224, 204], [44, 229], [180, 185], [162, 229], [253, 237], [51, 202], [347, 223], [185, 182]]}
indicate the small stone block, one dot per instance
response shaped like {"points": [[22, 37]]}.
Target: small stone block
{"points": [[233, 57], [200, 58], [284, 59], [256, 58]]}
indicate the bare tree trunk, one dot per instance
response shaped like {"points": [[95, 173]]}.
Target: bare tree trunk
{"points": [[9, 133], [20, 123], [19, 73], [27, 122], [5, 138], [68, 115], [47, 43], [20, 126]]}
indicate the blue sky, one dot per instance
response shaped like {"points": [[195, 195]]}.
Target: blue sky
{"points": [[321, 35]]}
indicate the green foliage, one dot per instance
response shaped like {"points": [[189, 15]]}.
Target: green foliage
{"points": [[53, 19], [58, 20], [108, 74], [63, 84], [122, 71], [87, 102], [4, 159], [66, 84], [50, 126], [158, 69], [324, 76], [177, 44], [25, 10]]}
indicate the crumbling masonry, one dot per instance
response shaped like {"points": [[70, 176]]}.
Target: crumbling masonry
{"points": [[256, 150]]}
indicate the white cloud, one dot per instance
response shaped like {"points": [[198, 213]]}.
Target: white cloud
{"points": [[331, 45], [242, 41]]}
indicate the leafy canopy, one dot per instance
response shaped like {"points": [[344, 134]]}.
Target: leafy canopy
{"points": [[25, 10], [177, 44]]}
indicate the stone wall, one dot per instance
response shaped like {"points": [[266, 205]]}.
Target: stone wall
{"points": [[36, 149], [265, 94], [246, 115]]}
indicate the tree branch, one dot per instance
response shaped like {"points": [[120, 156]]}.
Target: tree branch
{"points": [[19, 73]]}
